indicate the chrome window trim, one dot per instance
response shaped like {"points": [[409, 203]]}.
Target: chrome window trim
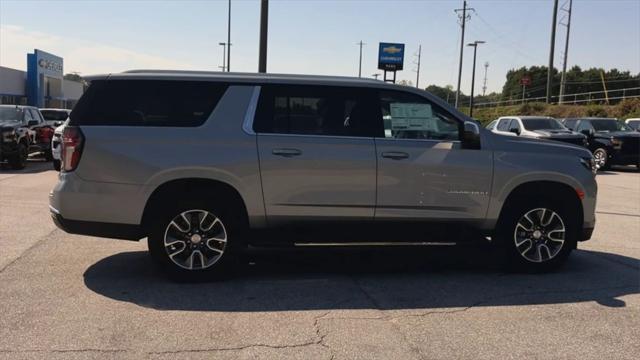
{"points": [[247, 124], [318, 136]]}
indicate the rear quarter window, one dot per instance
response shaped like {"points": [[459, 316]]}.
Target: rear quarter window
{"points": [[147, 103]]}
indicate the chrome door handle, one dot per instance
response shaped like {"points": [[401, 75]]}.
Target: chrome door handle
{"points": [[286, 152], [395, 155]]}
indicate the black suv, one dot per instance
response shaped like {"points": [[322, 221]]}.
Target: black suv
{"points": [[611, 141], [23, 131]]}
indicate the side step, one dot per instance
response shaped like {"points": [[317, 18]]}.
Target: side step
{"points": [[395, 243]]}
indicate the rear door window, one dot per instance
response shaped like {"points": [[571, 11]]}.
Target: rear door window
{"points": [[316, 110], [147, 103], [514, 125]]}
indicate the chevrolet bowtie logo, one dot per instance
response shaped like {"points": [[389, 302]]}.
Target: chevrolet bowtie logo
{"points": [[391, 49]]}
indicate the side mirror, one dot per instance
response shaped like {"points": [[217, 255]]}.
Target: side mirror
{"points": [[57, 123], [471, 136], [515, 131], [32, 123], [587, 132]]}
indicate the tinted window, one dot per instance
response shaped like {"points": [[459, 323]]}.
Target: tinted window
{"points": [[584, 125], [315, 110], [409, 116], [503, 125], [35, 114], [147, 103], [54, 115], [28, 116], [514, 125], [571, 123], [542, 124], [634, 124], [609, 125]]}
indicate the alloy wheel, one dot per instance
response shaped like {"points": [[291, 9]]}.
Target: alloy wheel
{"points": [[195, 239], [539, 235], [600, 158]]}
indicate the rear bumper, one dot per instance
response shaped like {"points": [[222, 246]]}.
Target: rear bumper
{"points": [[99, 229]]}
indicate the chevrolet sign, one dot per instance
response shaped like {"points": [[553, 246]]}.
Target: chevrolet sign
{"points": [[390, 56]]}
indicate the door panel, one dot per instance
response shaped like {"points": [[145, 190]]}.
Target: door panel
{"points": [[438, 180], [317, 177]]}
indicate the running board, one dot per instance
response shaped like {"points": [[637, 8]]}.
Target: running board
{"points": [[312, 244]]}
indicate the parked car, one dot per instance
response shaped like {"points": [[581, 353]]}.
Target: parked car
{"points": [[203, 163], [24, 132], [611, 141], [537, 127], [56, 145], [633, 123], [55, 117]]}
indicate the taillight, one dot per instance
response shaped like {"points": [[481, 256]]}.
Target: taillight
{"points": [[72, 141]]}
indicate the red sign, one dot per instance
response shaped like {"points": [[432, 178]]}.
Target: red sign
{"points": [[525, 81]]}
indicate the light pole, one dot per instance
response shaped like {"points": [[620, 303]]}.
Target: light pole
{"points": [[264, 26], [224, 51], [473, 73]]}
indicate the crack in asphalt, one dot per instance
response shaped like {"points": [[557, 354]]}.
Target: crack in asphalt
{"points": [[29, 249], [58, 351], [617, 213], [389, 319]]}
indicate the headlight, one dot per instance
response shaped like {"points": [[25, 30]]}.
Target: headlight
{"points": [[8, 134], [590, 164]]}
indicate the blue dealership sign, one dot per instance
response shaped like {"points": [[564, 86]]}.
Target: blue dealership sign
{"points": [[390, 56], [41, 65]]}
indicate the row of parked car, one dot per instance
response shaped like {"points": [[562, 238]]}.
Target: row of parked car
{"points": [[27, 131], [612, 142]]}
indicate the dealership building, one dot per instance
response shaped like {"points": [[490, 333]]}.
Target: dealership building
{"points": [[42, 85]]}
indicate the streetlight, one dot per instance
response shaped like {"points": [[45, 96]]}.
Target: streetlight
{"points": [[224, 46], [473, 76]]}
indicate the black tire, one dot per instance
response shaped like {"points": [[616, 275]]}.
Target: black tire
{"points": [[232, 225], [57, 164], [506, 235], [605, 157], [19, 160]]}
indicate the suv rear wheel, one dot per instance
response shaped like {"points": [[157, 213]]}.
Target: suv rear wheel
{"points": [[537, 234], [194, 240]]}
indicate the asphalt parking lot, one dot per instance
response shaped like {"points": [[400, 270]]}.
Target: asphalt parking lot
{"points": [[68, 297]]}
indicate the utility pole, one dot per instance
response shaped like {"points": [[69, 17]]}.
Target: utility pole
{"points": [[463, 20], [566, 51], [224, 50], [551, 50], [360, 63], [229, 39], [264, 18], [375, 76], [418, 68], [473, 73], [484, 85]]}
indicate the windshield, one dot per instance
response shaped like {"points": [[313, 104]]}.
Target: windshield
{"points": [[543, 124], [609, 125], [54, 115], [10, 114]]}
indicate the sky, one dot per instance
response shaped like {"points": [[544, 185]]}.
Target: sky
{"points": [[319, 36]]}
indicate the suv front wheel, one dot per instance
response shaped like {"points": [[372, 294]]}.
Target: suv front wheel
{"points": [[537, 235], [193, 241]]}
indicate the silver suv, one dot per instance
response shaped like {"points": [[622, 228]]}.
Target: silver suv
{"points": [[203, 164]]}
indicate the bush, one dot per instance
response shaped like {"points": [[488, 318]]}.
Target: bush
{"points": [[626, 109], [596, 111]]}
